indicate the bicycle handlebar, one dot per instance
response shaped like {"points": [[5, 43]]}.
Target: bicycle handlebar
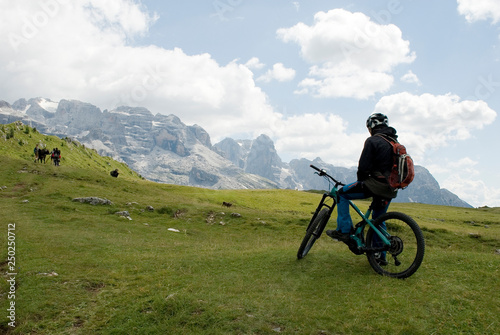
{"points": [[323, 173], [318, 169]]}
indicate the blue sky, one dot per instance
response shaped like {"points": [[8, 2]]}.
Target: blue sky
{"points": [[306, 73]]}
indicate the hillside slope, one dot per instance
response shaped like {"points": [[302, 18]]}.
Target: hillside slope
{"points": [[18, 141]]}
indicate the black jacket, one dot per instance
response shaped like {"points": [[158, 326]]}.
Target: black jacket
{"points": [[376, 161]]}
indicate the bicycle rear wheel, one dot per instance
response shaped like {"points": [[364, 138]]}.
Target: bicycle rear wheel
{"points": [[313, 232], [406, 253]]}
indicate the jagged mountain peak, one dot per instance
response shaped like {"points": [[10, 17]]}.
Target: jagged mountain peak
{"points": [[263, 159], [171, 118], [133, 111], [162, 148], [4, 104]]}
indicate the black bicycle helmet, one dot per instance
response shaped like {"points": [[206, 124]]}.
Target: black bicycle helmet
{"points": [[377, 119]]}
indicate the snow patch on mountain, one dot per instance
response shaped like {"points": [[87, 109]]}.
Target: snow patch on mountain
{"points": [[49, 105]]}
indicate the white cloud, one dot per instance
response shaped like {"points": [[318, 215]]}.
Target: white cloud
{"points": [[316, 135], [428, 121], [346, 48], [477, 10], [82, 50], [465, 165], [254, 63], [344, 81], [410, 77], [279, 72], [462, 178], [127, 14], [71, 23], [474, 191]]}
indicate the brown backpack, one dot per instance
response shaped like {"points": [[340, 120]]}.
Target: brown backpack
{"points": [[403, 171]]}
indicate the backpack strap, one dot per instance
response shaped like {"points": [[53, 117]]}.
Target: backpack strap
{"points": [[388, 139]]}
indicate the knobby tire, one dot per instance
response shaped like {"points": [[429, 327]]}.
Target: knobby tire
{"points": [[313, 232], [406, 253]]}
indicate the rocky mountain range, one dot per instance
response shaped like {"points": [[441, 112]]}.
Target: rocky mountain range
{"points": [[162, 148]]}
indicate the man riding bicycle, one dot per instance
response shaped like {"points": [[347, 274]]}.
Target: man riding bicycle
{"points": [[374, 168]]}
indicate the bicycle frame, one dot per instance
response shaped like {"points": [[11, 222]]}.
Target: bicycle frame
{"points": [[377, 243], [381, 233]]}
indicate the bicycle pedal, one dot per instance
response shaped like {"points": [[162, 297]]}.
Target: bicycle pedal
{"points": [[336, 235], [353, 246]]}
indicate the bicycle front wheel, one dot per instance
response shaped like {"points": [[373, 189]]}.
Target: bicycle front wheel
{"points": [[313, 232], [406, 253]]}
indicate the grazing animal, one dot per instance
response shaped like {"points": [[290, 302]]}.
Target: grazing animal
{"points": [[226, 204], [42, 153], [114, 173]]}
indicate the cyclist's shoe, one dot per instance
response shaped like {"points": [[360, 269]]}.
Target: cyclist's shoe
{"points": [[380, 259], [337, 235]]}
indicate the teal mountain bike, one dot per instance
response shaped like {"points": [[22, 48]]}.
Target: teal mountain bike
{"points": [[393, 243]]}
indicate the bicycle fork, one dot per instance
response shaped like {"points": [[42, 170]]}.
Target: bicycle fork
{"points": [[320, 207]]}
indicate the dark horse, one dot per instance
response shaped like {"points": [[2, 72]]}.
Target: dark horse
{"points": [[42, 153]]}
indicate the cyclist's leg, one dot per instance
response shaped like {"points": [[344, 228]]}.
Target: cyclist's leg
{"points": [[379, 207], [348, 192]]}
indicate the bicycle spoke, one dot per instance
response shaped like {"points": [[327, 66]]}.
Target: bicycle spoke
{"points": [[405, 254]]}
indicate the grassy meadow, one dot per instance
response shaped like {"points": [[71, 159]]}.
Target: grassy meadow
{"points": [[191, 266]]}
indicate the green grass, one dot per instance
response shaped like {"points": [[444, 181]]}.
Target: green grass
{"points": [[219, 274]]}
